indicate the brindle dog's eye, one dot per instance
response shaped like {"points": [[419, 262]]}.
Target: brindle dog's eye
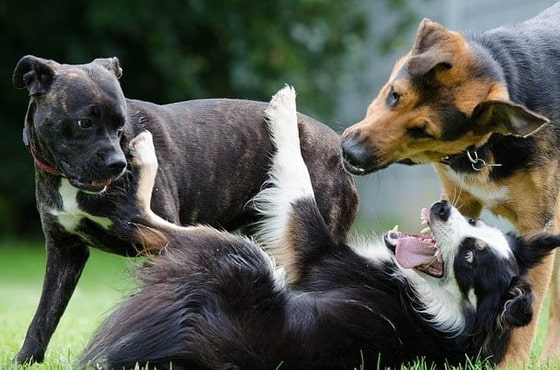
{"points": [[393, 98], [469, 256], [84, 123], [418, 132]]}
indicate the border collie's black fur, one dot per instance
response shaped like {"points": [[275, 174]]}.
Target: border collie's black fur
{"points": [[213, 300]]}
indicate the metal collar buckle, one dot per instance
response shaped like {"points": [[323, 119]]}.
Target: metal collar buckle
{"points": [[478, 164]]}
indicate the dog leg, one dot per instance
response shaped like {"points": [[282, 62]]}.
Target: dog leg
{"points": [[551, 348], [288, 182], [144, 161], [519, 348], [64, 266], [145, 164]]}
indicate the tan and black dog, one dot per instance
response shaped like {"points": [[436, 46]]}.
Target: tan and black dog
{"points": [[485, 109]]}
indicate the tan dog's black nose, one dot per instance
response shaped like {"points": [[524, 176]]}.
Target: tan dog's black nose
{"points": [[356, 155]]}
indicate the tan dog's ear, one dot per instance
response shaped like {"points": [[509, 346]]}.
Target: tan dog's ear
{"points": [[506, 118], [433, 47]]}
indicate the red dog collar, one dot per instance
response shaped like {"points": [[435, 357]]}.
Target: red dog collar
{"points": [[51, 170]]}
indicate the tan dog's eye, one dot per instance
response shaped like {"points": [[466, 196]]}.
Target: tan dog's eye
{"points": [[393, 98], [418, 132]]}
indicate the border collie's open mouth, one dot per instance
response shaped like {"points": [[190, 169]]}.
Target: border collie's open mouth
{"points": [[417, 251]]}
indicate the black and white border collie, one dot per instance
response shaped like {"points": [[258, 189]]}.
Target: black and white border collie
{"points": [[213, 300]]}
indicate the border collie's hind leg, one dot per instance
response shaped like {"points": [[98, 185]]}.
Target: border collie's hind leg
{"points": [[288, 188]]}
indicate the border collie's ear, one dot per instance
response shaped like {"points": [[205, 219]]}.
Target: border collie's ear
{"points": [[530, 250], [518, 307]]}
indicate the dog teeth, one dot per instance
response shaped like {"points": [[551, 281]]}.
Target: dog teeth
{"points": [[425, 230], [396, 228], [424, 221], [438, 256]]}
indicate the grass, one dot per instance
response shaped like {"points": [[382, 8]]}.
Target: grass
{"points": [[105, 281]]}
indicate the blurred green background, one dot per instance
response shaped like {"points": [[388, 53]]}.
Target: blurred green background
{"points": [[179, 50]]}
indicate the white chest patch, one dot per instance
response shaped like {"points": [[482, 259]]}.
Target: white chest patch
{"points": [[489, 193], [70, 215]]}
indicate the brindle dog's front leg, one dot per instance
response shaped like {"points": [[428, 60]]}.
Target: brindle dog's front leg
{"points": [[66, 258]]}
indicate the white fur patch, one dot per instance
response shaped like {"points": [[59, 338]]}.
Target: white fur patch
{"points": [[70, 215], [288, 177], [487, 192], [456, 229]]}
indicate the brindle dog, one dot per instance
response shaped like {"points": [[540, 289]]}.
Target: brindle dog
{"points": [[214, 155]]}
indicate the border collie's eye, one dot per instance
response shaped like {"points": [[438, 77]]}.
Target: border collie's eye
{"points": [[469, 256], [418, 132], [393, 98], [84, 123], [472, 221]]}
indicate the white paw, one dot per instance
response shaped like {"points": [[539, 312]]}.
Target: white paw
{"points": [[281, 115], [143, 151]]}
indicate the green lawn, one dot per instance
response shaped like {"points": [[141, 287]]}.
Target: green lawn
{"points": [[104, 282]]}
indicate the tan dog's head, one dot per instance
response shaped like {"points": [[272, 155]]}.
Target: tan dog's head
{"points": [[443, 97]]}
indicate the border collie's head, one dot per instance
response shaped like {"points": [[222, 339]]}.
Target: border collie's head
{"points": [[468, 277]]}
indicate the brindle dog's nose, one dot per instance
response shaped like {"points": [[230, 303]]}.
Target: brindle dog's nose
{"points": [[115, 162]]}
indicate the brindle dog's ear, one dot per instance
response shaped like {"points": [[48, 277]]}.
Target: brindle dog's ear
{"points": [[34, 73], [505, 118], [518, 306], [111, 64], [431, 49]]}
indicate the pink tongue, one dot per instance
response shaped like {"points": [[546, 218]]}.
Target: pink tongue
{"points": [[411, 252]]}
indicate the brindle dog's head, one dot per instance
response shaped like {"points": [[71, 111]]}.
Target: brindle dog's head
{"points": [[75, 118], [443, 97]]}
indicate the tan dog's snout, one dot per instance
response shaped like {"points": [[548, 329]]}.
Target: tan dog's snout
{"points": [[359, 156]]}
